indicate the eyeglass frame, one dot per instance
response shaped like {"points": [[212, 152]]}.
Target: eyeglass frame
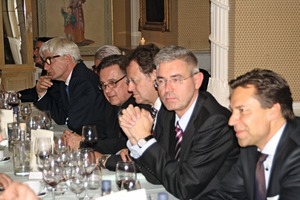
{"points": [[48, 59], [176, 80], [110, 84]]}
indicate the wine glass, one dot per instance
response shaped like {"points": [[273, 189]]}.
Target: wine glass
{"points": [[42, 150], [90, 136], [88, 160], [52, 173], [126, 175], [45, 120], [13, 98], [25, 110], [77, 181]]}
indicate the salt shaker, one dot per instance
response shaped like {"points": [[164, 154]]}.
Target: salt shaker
{"points": [[162, 196], [106, 187]]}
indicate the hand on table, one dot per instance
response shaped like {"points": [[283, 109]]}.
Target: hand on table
{"points": [[18, 191], [125, 155], [136, 123], [72, 139]]}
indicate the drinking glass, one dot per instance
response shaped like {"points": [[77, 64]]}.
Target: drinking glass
{"points": [[126, 175], [13, 99], [52, 173], [25, 110], [88, 161], [45, 120], [90, 136], [42, 150], [77, 181]]}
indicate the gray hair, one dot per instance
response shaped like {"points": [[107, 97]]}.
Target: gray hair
{"points": [[107, 50], [172, 52], [61, 46]]}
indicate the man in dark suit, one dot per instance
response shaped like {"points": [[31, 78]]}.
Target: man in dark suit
{"points": [[30, 95], [264, 123], [194, 156], [81, 102]]}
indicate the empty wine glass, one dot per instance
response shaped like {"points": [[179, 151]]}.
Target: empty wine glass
{"points": [[77, 181], [126, 175], [90, 136], [52, 173], [42, 150], [45, 120], [88, 161], [25, 110]]}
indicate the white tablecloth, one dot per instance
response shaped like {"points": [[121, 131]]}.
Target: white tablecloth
{"points": [[152, 190]]}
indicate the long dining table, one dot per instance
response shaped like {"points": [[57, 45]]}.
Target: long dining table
{"points": [[151, 189]]}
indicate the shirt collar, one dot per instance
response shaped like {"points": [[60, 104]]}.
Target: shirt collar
{"points": [[184, 120], [272, 144], [68, 79], [157, 104]]}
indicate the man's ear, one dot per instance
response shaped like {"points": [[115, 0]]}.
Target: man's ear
{"points": [[198, 78]]}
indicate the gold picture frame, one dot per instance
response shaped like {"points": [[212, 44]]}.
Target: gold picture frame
{"points": [[154, 15]]}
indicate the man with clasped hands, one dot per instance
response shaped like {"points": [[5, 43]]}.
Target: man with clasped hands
{"points": [[208, 146]]}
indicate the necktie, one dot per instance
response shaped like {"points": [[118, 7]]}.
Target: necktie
{"points": [[260, 185], [153, 112], [179, 134], [67, 91]]}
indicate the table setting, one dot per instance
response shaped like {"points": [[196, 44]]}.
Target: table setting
{"points": [[33, 153]]}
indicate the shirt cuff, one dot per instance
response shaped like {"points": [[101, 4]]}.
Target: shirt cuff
{"points": [[136, 151], [40, 97]]}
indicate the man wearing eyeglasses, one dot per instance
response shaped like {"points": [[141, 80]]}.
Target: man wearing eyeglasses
{"points": [[29, 95], [193, 147], [81, 102]]}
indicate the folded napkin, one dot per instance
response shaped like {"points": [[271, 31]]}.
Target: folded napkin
{"points": [[6, 116]]}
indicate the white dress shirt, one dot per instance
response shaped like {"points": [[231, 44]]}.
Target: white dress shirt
{"points": [[270, 150]]}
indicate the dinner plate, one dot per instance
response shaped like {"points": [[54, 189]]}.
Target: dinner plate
{"points": [[5, 160]]}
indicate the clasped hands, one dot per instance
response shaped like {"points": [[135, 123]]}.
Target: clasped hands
{"points": [[136, 123]]}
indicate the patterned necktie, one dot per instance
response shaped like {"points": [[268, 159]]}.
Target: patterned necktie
{"points": [[153, 112], [179, 134], [260, 183]]}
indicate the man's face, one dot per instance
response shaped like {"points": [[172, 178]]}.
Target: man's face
{"points": [[178, 95], [141, 85], [119, 94], [251, 122], [36, 55], [58, 69]]}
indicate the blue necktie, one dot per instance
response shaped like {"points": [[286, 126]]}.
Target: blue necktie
{"points": [[67, 91]]}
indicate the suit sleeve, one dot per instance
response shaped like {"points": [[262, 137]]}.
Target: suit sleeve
{"points": [[211, 144]]}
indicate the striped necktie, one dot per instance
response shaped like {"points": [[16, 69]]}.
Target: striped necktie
{"points": [[178, 137]]}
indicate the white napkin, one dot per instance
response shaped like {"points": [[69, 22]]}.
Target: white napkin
{"points": [[6, 116], [35, 134], [123, 194]]}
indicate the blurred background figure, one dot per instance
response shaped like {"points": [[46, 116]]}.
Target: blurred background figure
{"points": [[103, 52]]}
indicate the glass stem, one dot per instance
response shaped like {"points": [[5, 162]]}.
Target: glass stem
{"points": [[53, 193]]}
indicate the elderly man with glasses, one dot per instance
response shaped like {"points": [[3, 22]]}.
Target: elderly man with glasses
{"points": [[81, 102]]}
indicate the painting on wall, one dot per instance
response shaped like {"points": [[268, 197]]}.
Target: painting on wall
{"points": [[87, 23]]}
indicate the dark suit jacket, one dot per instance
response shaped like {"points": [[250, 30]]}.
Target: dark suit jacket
{"points": [[284, 180], [30, 95], [86, 104], [208, 150]]}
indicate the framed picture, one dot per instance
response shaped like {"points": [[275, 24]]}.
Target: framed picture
{"points": [[86, 22], [154, 15]]}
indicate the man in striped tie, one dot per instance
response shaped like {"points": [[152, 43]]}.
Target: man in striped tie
{"points": [[193, 147]]}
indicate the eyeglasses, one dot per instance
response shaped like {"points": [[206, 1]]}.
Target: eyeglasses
{"points": [[110, 84], [49, 58], [176, 80]]}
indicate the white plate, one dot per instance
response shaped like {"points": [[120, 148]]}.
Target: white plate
{"points": [[5, 160]]}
